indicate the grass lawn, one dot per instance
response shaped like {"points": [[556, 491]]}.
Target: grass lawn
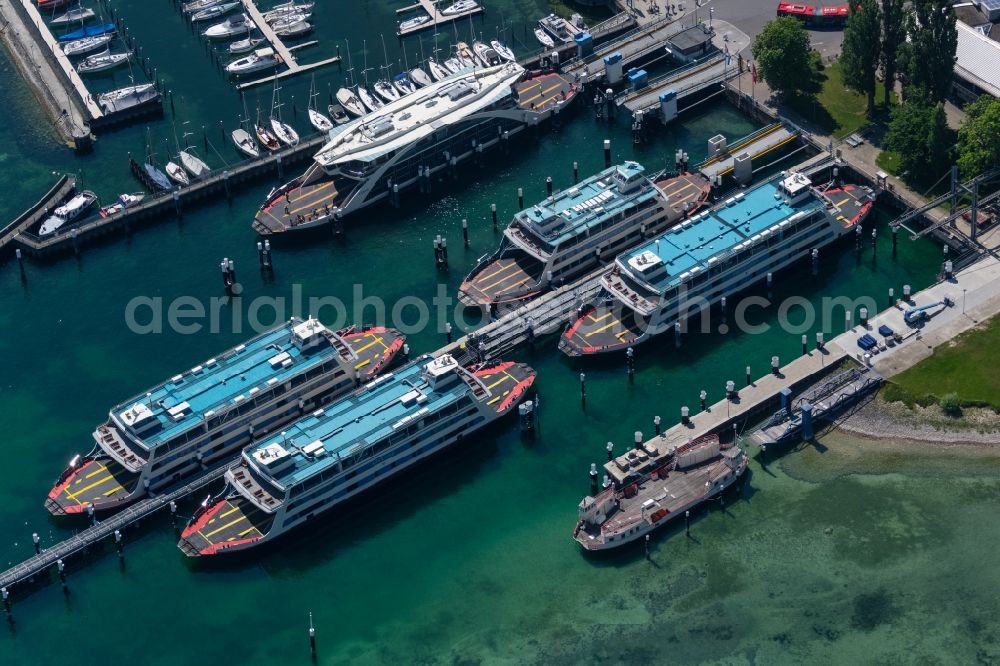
{"points": [[966, 367], [838, 110], [890, 162]]}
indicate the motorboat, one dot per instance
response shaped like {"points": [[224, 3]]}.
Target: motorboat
{"points": [[192, 163], [69, 211], [285, 133], [286, 9], [90, 31], [86, 45], [465, 55], [460, 7], [544, 39], [454, 65], [126, 98], [288, 20], [403, 83], [198, 5], [266, 138], [245, 45], [75, 15], [420, 78], [486, 55], [350, 102], [438, 71], [232, 26], [338, 114], [177, 173], [214, 11], [503, 50], [294, 30], [101, 62], [244, 142], [386, 91], [256, 61], [121, 203], [371, 102], [415, 22]]}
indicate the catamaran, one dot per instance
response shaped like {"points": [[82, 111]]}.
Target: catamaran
{"points": [[205, 415]]}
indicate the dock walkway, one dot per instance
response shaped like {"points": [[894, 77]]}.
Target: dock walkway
{"points": [[685, 81], [63, 187], [633, 45], [763, 141]]}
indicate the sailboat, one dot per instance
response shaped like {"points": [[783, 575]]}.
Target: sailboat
{"points": [[264, 135], [346, 96], [503, 50], [103, 61], [318, 120], [175, 170], [371, 102], [75, 15], [190, 160], [285, 133], [438, 71], [383, 86], [155, 178], [242, 139]]}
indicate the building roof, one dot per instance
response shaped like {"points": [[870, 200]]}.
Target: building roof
{"points": [[978, 59], [690, 39]]}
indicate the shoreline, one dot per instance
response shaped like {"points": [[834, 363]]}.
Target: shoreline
{"points": [[879, 420]]}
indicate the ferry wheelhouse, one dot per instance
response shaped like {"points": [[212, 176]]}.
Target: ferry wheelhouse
{"points": [[207, 414], [427, 131], [713, 254], [579, 229], [351, 445]]}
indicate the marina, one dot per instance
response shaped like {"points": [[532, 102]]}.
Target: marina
{"points": [[434, 15]]}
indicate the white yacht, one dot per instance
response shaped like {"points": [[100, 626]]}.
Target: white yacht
{"points": [[68, 212]]}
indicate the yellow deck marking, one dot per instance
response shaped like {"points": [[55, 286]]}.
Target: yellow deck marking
{"points": [[841, 203], [602, 328], [246, 531], [362, 364], [517, 284], [501, 266], [597, 319], [500, 381], [95, 483], [500, 280], [376, 341], [544, 92], [226, 513], [292, 212], [113, 491], [219, 529], [494, 400], [100, 468]]}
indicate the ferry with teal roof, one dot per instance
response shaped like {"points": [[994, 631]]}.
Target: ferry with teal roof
{"points": [[580, 229], [205, 415], [711, 255], [352, 445]]}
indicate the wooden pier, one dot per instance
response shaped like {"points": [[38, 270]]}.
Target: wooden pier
{"points": [[283, 51], [437, 18]]}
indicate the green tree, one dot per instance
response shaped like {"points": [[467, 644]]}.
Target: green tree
{"points": [[979, 137], [861, 48], [919, 132], [894, 14], [784, 58], [933, 42]]}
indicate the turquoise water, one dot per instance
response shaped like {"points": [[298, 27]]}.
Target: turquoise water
{"points": [[821, 558]]}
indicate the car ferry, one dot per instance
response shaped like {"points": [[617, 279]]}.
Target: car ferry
{"points": [[207, 414], [352, 445]]}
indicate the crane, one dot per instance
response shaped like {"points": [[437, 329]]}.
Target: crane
{"points": [[916, 315]]}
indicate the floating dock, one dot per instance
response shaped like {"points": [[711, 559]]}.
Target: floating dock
{"points": [[283, 51], [756, 145], [437, 18], [633, 46], [685, 82]]}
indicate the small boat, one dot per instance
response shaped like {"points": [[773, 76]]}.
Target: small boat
{"points": [[294, 30], [350, 102], [317, 119], [486, 55], [438, 71], [338, 114], [86, 45], [503, 50], [286, 8], [232, 26], [283, 22], [386, 91], [459, 7], [101, 62], [415, 22], [371, 102], [91, 31], [403, 83], [75, 15], [465, 55], [454, 65], [198, 5], [192, 163], [419, 77], [256, 61], [126, 98], [544, 38], [266, 138], [285, 133], [157, 178], [124, 201], [244, 143], [245, 45], [69, 211], [44, 5], [177, 173], [214, 11]]}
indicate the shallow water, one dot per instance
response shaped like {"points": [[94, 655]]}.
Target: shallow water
{"points": [[467, 559]]}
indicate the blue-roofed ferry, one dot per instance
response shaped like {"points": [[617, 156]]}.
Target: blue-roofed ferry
{"points": [[578, 230], [352, 445], [711, 255], [207, 414]]}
